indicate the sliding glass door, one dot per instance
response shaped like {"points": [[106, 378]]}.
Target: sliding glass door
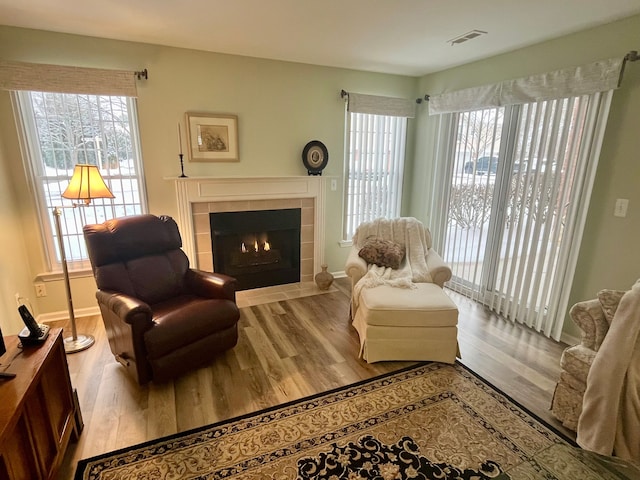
{"points": [[471, 221], [515, 177]]}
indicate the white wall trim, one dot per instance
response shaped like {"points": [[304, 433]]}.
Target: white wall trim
{"points": [[58, 275], [64, 314]]}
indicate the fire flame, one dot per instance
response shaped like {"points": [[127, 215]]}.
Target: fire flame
{"points": [[265, 247]]}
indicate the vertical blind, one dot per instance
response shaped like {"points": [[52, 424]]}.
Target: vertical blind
{"points": [[513, 226], [377, 129], [473, 183], [375, 168], [517, 181]]}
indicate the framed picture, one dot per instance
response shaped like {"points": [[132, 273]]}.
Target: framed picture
{"points": [[212, 137]]}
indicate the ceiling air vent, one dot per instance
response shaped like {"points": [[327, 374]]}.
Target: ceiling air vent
{"points": [[467, 36]]}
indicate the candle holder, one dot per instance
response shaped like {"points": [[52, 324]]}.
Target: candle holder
{"points": [[181, 166]]}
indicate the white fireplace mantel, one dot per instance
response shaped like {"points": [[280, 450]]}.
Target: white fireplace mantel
{"points": [[192, 190]]}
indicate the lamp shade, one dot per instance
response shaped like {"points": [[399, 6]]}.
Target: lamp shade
{"points": [[86, 183]]}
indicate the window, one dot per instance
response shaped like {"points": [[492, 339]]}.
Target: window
{"points": [[61, 130], [509, 229], [375, 167], [514, 177], [376, 136]]}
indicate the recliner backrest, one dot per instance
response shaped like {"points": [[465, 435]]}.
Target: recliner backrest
{"points": [[139, 256]]}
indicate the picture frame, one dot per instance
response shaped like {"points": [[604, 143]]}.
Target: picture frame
{"points": [[212, 137]]}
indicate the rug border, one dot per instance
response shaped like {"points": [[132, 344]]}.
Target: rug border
{"points": [[83, 462]]}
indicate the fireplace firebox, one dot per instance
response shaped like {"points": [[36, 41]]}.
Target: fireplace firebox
{"points": [[259, 248]]}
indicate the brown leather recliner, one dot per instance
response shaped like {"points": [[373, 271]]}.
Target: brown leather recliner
{"points": [[162, 318]]}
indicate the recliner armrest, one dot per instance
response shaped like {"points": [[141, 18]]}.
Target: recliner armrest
{"points": [[440, 272], [588, 315], [211, 285], [129, 309]]}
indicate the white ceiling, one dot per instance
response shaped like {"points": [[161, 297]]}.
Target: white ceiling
{"points": [[408, 37]]}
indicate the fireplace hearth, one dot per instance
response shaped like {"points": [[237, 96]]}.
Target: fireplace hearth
{"points": [[260, 247]]}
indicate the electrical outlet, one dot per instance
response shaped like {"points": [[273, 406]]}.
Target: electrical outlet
{"points": [[620, 209], [41, 290], [334, 184]]}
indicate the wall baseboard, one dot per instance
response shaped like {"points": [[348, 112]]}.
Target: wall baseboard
{"points": [[569, 339], [89, 311], [64, 315]]}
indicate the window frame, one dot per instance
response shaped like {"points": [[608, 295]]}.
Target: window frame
{"points": [[532, 204], [399, 160], [33, 165]]}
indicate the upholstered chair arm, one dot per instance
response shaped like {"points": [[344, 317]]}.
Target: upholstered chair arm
{"points": [[440, 272], [588, 315], [128, 309], [356, 267], [211, 285]]}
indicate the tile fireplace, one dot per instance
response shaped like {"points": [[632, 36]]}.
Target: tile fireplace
{"points": [[198, 197], [260, 248]]}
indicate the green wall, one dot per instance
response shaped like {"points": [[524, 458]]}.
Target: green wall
{"points": [[280, 107], [15, 274], [609, 257]]}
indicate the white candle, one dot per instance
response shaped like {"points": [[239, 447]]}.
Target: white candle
{"points": [[179, 139]]}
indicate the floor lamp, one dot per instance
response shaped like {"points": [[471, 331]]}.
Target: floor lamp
{"points": [[85, 184]]}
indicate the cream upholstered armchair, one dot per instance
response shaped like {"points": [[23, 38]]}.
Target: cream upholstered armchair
{"points": [[356, 266], [593, 317], [598, 394], [398, 306]]}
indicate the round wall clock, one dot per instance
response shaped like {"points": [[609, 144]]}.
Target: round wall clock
{"points": [[315, 157]]}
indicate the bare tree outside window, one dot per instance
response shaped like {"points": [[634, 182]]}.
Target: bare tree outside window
{"points": [[62, 130]]}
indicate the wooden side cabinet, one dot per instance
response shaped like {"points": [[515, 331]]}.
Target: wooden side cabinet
{"points": [[39, 414]]}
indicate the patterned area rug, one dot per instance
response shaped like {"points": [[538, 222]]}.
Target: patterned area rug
{"points": [[433, 421]]}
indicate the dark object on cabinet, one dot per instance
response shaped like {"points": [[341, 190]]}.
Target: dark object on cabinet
{"points": [[37, 413], [32, 333], [162, 318]]}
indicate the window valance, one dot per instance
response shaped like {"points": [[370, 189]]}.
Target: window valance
{"points": [[65, 79], [377, 105], [595, 77]]}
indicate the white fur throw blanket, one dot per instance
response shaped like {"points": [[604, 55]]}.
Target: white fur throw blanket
{"points": [[610, 419], [406, 231]]}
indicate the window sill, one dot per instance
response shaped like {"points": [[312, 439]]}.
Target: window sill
{"points": [[56, 276], [345, 243]]}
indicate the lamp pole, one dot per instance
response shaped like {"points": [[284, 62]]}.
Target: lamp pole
{"points": [[85, 183], [75, 343]]}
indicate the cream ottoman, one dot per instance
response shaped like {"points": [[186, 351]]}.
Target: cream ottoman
{"points": [[407, 324]]}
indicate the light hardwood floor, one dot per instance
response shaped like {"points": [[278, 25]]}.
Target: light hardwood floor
{"points": [[286, 350]]}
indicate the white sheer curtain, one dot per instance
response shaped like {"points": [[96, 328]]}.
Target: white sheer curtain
{"points": [[512, 231]]}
